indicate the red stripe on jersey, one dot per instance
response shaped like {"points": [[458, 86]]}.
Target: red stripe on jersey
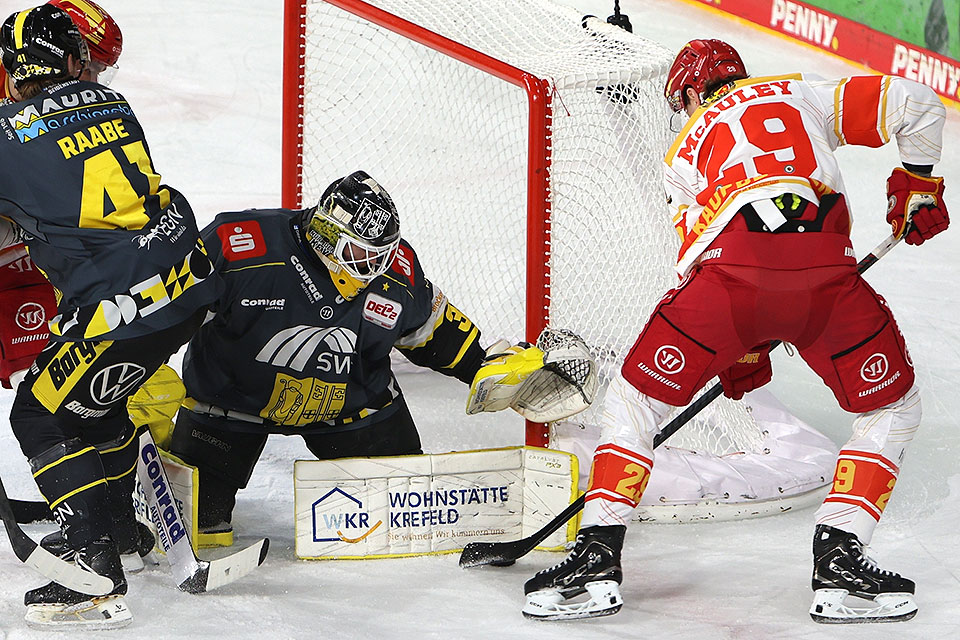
{"points": [[861, 109]]}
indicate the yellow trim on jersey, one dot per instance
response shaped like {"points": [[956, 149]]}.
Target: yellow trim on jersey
{"points": [[50, 394], [682, 136], [882, 117], [837, 116], [125, 473], [471, 338], [76, 491], [59, 460], [256, 266]]}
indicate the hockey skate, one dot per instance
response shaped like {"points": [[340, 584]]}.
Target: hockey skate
{"points": [[841, 568], [57, 608], [133, 554], [592, 568]]}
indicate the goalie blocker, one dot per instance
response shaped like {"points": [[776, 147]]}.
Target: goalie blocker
{"points": [[551, 381]]}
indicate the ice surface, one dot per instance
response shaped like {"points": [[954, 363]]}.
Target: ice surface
{"points": [[204, 79]]}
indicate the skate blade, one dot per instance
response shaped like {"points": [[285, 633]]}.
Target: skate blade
{"points": [[830, 607], [110, 612], [603, 599]]}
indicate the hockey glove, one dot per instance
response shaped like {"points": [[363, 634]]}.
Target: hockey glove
{"points": [[548, 382], [750, 372], [501, 376], [915, 205]]}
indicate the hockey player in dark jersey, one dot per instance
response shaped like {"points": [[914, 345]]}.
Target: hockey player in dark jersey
{"points": [[315, 301], [132, 277]]}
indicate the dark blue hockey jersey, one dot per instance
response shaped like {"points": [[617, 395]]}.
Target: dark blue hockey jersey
{"points": [[121, 248], [286, 353]]}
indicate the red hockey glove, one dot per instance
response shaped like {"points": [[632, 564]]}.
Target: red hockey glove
{"points": [[917, 200], [750, 372]]}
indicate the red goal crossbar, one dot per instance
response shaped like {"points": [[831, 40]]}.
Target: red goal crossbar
{"points": [[537, 294]]}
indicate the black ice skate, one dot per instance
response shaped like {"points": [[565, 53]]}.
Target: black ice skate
{"points": [[133, 552], [842, 568], [56, 607], [592, 568]]}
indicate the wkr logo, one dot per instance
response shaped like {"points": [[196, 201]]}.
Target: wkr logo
{"points": [[30, 316], [669, 359], [337, 514], [874, 368]]}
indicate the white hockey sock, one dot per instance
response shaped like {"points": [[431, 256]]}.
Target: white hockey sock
{"points": [[877, 447]]}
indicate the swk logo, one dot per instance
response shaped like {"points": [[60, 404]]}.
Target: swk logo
{"points": [[669, 359], [30, 316], [115, 382], [875, 368]]}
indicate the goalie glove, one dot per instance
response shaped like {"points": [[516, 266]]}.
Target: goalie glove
{"points": [[548, 382]]}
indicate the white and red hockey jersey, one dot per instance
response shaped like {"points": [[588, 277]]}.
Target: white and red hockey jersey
{"points": [[774, 135]]}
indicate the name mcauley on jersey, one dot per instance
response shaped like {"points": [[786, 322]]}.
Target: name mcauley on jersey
{"points": [[287, 353]]}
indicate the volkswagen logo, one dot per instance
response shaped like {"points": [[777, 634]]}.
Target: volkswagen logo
{"points": [[116, 382]]}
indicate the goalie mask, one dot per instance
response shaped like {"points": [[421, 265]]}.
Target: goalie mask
{"points": [[38, 42], [355, 231]]}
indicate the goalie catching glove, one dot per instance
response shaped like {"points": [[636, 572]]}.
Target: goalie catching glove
{"points": [[544, 383]]}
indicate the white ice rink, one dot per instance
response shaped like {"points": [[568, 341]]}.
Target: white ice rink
{"points": [[204, 78]]}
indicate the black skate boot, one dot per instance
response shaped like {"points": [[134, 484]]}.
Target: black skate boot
{"points": [[132, 551], [842, 568], [56, 607], [593, 567]]}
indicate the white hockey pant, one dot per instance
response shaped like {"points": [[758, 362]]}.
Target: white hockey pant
{"points": [[885, 432], [630, 420]]}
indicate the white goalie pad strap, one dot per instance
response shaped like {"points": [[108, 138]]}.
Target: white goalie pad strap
{"points": [[414, 505]]}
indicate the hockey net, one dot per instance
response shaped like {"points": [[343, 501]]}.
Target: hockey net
{"points": [[522, 146]]}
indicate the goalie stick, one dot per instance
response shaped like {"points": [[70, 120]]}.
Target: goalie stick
{"points": [[477, 554], [33, 555], [192, 574]]}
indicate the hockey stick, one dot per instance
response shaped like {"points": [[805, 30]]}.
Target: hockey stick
{"points": [[192, 574], [30, 511], [476, 554], [33, 555]]}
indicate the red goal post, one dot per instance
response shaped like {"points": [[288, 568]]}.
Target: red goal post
{"points": [[538, 168]]}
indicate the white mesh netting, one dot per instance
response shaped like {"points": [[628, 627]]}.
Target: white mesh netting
{"points": [[449, 142]]}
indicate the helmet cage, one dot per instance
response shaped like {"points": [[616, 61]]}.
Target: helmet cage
{"points": [[362, 244]]}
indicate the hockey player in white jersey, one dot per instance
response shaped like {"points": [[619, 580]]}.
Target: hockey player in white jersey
{"points": [[756, 196]]}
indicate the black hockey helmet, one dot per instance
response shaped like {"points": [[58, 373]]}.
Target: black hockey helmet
{"points": [[354, 228], [37, 43]]}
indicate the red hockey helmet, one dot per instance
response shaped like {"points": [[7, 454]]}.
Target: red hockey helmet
{"points": [[97, 27], [699, 63]]}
